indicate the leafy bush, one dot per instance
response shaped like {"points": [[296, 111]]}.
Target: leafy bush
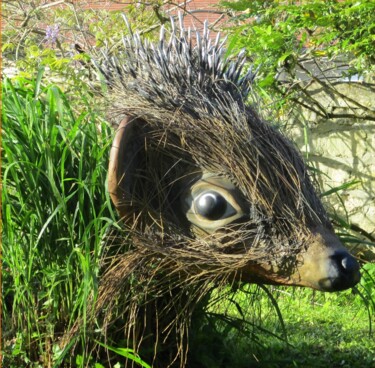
{"points": [[285, 34]]}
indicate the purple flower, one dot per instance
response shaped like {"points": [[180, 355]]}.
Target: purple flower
{"points": [[51, 34]]}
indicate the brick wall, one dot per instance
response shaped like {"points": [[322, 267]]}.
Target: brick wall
{"points": [[197, 10]]}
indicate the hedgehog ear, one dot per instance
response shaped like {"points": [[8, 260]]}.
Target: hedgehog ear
{"points": [[126, 156]]}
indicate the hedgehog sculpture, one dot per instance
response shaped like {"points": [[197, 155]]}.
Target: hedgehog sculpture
{"points": [[209, 194]]}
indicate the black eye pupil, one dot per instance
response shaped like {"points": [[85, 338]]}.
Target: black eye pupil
{"points": [[211, 206]]}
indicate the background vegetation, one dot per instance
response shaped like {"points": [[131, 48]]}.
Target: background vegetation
{"points": [[57, 217]]}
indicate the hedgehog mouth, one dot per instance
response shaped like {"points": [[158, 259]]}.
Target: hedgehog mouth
{"points": [[336, 277], [324, 265]]}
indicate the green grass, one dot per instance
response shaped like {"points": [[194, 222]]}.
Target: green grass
{"points": [[56, 212], [324, 330], [56, 217], [317, 330]]}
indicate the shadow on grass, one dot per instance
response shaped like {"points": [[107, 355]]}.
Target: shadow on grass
{"points": [[320, 344]]}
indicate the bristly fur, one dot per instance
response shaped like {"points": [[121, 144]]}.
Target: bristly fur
{"points": [[193, 100]]}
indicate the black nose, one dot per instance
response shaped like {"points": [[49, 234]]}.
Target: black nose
{"points": [[343, 272]]}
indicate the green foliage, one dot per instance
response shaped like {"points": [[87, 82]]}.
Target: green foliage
{"points": [[56, 212], [63, 38], [368, 290], [279, 34]]}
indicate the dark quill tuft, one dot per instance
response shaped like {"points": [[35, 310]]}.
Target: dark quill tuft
{"points": [[182, 66]]}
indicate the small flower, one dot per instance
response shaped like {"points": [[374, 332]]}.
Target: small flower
{"points": [[51, 34]]}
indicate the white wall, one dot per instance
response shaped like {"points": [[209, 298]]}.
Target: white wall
{"points": [[342, 148]]}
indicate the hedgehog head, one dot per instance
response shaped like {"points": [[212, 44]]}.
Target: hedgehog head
{"points": [[201, 181]]}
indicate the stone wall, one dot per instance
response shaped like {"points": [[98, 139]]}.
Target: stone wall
{"points": [[341, 146]]}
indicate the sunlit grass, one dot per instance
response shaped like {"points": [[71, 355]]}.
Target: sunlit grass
{"points": [[315, 330], [56, 213]]}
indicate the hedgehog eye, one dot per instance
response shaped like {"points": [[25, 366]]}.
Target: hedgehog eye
{"points": [[212, 206], [212, 203]]}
